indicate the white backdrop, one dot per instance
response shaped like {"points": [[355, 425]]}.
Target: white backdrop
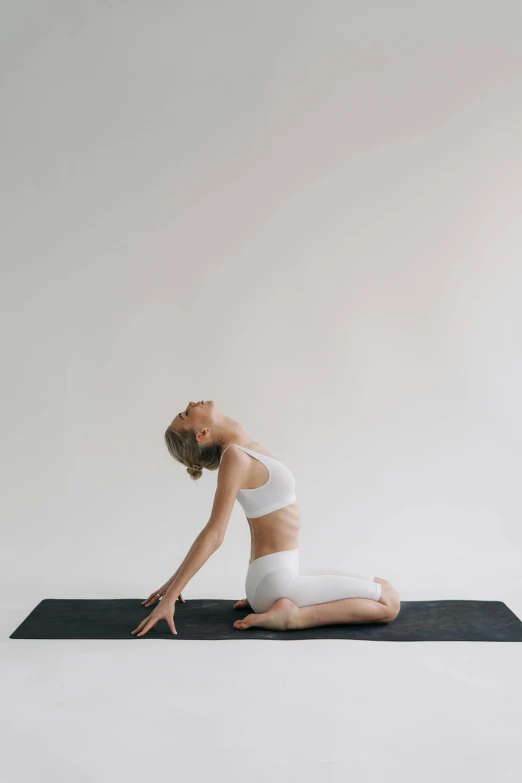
{"points": [[308, 212], [312, 220]]}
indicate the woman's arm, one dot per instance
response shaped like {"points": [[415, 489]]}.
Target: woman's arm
{"points": [[176, 572], [203, 547]]}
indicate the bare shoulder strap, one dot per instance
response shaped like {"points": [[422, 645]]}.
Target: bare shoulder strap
{"points": [[229, 445]]}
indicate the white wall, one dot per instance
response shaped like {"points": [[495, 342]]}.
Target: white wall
{"points": [[308, 212]]}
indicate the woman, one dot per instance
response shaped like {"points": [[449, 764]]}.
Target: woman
{"points": [[281, 595]]}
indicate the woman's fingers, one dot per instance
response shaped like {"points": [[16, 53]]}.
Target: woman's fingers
{"points": [[155, 596], [160, 613], [144, 626]]}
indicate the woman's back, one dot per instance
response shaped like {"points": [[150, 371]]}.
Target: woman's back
{"points": [[269, 501]]}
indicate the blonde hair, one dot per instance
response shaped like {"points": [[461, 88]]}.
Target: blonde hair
{"points": [[185, 449]]}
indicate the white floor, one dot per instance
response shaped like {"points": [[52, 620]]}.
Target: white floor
{"points": [[329, 710]]}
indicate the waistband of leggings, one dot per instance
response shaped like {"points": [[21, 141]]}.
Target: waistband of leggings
{"points": [[285, 558]]}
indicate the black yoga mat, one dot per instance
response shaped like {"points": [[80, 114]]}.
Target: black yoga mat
{"points": [[204, 618]]}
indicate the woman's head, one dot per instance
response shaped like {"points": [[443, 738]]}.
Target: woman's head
{"points": [[196, 436]]}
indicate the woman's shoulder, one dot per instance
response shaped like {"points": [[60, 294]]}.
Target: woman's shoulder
{"points": [[260, 450], [254, 446]]}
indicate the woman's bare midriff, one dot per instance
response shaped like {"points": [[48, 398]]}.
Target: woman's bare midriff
{"points": [[278, 530]]}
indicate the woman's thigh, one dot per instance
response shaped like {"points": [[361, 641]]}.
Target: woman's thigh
{"points": [[321, 571], [305, 589], [308, 589]]}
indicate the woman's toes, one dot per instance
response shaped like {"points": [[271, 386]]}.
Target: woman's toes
{"points": [[246, 622]]}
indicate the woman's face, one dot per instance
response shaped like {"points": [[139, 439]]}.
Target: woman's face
{"points": [[196, 416]]}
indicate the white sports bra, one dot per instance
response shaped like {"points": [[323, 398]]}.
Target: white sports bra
{"points": [[276, 493]]}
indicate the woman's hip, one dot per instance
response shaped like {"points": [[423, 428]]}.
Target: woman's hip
{"points": [[278, 569], [261, 566]]}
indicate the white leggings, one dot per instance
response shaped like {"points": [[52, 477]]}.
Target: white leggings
{"points": [[278, 576]]}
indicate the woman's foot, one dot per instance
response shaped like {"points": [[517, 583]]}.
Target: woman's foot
{"points": [[243, 604], [282, 616]]}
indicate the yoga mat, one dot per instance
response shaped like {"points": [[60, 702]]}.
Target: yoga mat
{"points": [[203, 618]]}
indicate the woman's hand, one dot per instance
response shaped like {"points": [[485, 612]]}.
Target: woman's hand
{"points": [[164, 611], [158, 594]]}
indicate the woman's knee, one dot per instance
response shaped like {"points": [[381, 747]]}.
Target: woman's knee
{"points": [[395, 605], [391, 600]]}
